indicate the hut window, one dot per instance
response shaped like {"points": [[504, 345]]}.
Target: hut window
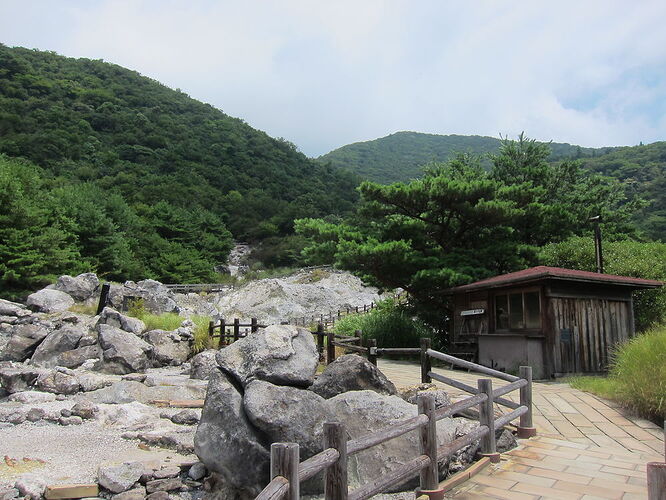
{"points": [[518, 311]]}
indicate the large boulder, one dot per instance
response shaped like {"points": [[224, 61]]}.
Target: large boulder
{"points": [[123, 352], [352, 372], [18, 378], [58, 381], [24, 340], [287, 414], [126, 391], [227, 443], [8, 308], [203, 364], [80, 288], [50, 301], [111, 317], [281, 354], [365, 412], [57, 342], [169, 349], [155, 297]]}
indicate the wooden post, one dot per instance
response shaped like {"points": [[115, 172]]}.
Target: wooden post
{"points": [[365, 308], [428, 444], [223, 332], [357, 309], [103, 297], [425, 361], [487, 418], [284, 462], [372, 351], [335, 476], [656, 480], [254, 325], [236, 329], [526, 428], [320, 340], [330, 348], [359, 334]]}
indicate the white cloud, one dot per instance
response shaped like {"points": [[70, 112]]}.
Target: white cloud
{"points": [[323, 74]]}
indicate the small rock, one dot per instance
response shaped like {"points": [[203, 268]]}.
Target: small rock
{"points": [[66, 412], [31, 485], [167, 472], [85, 409], [60, 397], [197, 471], [112, 317], [158, 495], [164, 485], [70, 420], [31, 397], [135, 377], [58, 382], [134, 494], [119, 478], [8, 493], [506, 441], [35, 414], [185, 417]]}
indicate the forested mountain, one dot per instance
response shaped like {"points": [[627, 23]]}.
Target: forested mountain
{"points": [[401, 156], [138, 179]]}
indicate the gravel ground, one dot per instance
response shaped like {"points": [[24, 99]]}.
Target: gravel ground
{"points": [[70, 454]]}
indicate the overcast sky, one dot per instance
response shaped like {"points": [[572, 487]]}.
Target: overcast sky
{"points": [[326, 73]]}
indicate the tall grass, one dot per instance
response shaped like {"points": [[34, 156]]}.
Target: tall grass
{"points": [[637, 376], [390, 323]]}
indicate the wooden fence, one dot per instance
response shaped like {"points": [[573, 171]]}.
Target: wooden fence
{"points": [[200, 287], [231, 332], [287, 471]]}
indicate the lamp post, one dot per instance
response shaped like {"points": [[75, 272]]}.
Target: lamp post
{"points": [[597, 243]]}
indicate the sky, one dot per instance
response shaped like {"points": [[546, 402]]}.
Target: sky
{"points": [[323, 74]]}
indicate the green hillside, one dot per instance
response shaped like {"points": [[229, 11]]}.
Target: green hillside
{"points": [[401, 156], [161, 176]]}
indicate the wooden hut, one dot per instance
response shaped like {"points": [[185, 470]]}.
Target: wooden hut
{"points": [[556, 320]]}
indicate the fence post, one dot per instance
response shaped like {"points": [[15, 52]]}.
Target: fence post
{"points": [[223, 332], [428, 445], [335, 476], [487, 418], [330, 348], [211, 331], [320, 340], [359, 334], [254, 325], [103, 297], [425, 361], [236, 329], [526, 428], [656, 480], [284, 462], [372, 351]]}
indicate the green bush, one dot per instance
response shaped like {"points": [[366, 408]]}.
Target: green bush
{"points": [[390, 323], [637, 377], [172, 321]]}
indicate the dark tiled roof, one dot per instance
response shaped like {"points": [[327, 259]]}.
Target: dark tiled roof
{"points": [[545, 272]]}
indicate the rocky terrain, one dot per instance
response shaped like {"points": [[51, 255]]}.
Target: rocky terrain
{"points": [[109, 405]]}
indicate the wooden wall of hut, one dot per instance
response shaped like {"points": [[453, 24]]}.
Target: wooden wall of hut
{"points": [[586, 331]]}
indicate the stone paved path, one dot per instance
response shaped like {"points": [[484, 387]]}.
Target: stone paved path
{"points": [[586, 448]]}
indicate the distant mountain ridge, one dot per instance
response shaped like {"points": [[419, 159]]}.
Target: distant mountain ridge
{"points": [[401, 156]]}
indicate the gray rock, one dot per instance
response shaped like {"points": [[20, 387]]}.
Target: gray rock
{"points": [[166, 472], [112, 317], [73, 420], [134, 494], [18, 378], [119, 478], [365, 412], [287, 414], [50, 301], [164, 485], [203, 364], [126, 391], [35, 414], [55, 343], [31, 397], [159, 495], [77, 357], [57, 382], [197, 471], [66, 412], [23, 341], [8, 493], [281, 354], [225, 438], [181, 440], [351, 372], [85, 409], [410, 394], [185, 417], [8, 308], [80, 288], [123, 352], [506, 441], [93, 381], [157, 298], [31, 485], [168, 349]]}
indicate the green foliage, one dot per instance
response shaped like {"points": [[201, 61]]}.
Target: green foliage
{"points": [[637, 377], [140, 181], [137, 308], [392, 324], [624, 258]]}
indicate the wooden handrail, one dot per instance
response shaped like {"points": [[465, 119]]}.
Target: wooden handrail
{"points": [[452, 409], [276, 489], [505, 389], [383, 435], [317, 463], [458, 444], [508, 417], [472, 366], [468, 388], [397, 476]]}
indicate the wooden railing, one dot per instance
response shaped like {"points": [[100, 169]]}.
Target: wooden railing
{"points": [[287, 472], [231, 332], [200, 287]]}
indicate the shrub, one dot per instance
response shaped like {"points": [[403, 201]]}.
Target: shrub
{"points": [[637, 376], [172, 321], [390, 323]]}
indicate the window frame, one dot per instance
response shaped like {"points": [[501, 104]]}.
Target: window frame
{"points": [[507, 293]]}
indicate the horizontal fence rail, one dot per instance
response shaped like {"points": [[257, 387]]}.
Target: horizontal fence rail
{"points": [[337, 448]]}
